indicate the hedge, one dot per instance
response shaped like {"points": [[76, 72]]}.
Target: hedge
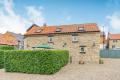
{"points": [[6, 47], [2, 49], [1, 59], [36, 61]]}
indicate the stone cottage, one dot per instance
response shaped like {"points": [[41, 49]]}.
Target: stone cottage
{"points": [[81, 40]]}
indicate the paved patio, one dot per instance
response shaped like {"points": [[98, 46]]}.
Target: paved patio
{"points": [[110, 70]]}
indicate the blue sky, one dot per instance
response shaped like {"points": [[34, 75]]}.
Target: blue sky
{"points": [[57, 12]]}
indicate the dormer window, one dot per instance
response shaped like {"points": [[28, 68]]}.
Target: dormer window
{"points": [[39, 30], [81, 29], [58, 30]]}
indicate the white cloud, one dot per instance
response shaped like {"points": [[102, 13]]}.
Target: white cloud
{"points": [[11, 21], [8, 6], [35, 15], [114, 20]]}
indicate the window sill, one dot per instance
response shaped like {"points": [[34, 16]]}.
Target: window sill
{"points": [[50, 42], [74, 41], [83, 52]]}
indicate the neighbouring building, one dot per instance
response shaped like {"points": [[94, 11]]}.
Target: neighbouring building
{"points": [[12, 39], [103, 40], [113, 41], [81, 40]]}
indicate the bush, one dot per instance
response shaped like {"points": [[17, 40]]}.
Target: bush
{"points": [[1, 59], [5, 47], [37, 61]]}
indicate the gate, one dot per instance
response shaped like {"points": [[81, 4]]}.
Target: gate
{"points": [[110, 53]]}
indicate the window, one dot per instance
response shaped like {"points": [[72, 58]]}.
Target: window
{"points": [[64, 45], [74, 38], [113, 46], [114, 40], [58, 30], [81, 29], [82, 49], [50, 39], [39, 30]]}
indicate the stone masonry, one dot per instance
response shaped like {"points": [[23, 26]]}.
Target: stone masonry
{"points": [[63, 41]]}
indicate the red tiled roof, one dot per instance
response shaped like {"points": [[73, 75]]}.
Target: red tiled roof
{"points": [[114, 36], [89, 27], [8, 39]]}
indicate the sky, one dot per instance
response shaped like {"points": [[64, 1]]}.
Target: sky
{"points": [[18, 15]]}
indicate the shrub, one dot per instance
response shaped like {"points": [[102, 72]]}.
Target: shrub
{"points": [[5, 47], [1, 59], [37, 61]]}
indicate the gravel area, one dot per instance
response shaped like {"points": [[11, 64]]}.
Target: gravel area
{"points": [[110, 70]]}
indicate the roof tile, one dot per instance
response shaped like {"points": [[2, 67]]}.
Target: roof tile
{"points": [[64, 28], [114, 36]]}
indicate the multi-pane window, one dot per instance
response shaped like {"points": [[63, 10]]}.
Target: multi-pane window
{"points": [[50, 39], [74, 38], [114, 40]]}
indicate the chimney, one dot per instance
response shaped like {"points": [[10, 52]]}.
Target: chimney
{"points": [[44, 25]]}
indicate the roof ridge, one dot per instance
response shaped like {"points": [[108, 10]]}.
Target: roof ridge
{"points": [[64, 25]]}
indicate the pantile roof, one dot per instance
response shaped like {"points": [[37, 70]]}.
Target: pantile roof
{"points": [[88, 27], [114, 36], [9, 38]]}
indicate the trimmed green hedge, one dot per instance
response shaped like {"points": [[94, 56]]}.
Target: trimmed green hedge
{"points": [[5, 47], [2, 49], [1, 59], [36, 61]]}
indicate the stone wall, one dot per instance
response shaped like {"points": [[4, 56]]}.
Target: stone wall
{"points": [[91, 41]]}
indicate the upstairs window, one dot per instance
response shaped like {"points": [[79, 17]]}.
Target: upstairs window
{"points": [[50, 39], [114, 40], [74, 38]]}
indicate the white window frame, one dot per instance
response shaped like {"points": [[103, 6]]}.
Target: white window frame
{"points": [[84, 49], [74, 38], [50, 39]]}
